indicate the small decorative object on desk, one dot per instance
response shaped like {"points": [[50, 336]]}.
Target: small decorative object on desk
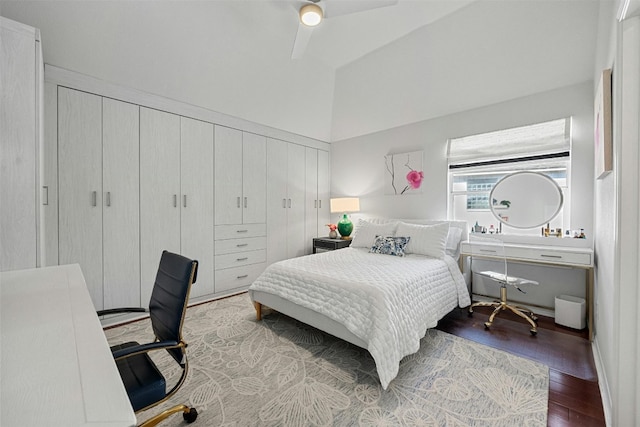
{"points": [[332, 231]]}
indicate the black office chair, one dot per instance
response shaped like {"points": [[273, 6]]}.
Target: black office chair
{"points": [[144, 382]]}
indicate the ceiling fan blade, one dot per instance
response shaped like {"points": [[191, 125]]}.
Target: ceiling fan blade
{"points": [[302, 40], [338, 8]]}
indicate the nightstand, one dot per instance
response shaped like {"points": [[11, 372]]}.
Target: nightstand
{"points": [[323, 244]]}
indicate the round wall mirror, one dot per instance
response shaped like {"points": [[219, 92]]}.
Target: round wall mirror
{"points": [[526, 199]]}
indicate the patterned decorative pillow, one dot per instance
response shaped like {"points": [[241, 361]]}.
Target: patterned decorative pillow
{"points": [[389, 245]]}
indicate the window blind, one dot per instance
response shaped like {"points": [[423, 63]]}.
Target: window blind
{"points": [[551, 138]]}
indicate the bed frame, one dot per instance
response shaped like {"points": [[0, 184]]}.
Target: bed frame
{"points": [[319, 321]]}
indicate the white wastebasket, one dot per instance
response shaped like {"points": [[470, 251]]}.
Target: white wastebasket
{"points": [[571, 311]]}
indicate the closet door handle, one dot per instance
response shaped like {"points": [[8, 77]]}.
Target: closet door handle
{"points": [[184, 200], [45, 195], [94, 198], [238, 200], [320, 204], [175, 200], [245, 202], [108, 198], [315, 204], [289, 203], [284, 203]]}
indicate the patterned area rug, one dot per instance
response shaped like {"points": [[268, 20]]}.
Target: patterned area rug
{"points": [[280, 372]]}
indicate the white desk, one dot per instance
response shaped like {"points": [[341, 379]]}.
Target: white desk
{"points": [[549, 255], [57, 369]]}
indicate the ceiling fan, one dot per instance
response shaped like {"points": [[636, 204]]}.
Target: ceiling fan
{"points": [[312, 12]]}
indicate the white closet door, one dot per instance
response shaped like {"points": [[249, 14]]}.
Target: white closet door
{"points": [[324, 191], [276, 200], [254, 182], [228, 175], [18, 148], [311, 198], [50, 176], [296, 239], [197, 200], [121, 203], [159, 192], [80, 186]]}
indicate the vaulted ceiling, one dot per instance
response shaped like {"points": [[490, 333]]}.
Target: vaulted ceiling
{"points": [[361, 72]]}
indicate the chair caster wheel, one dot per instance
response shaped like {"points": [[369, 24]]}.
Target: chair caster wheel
{"points": [[534, 332], [487, 325], [470, 313], [190, 416]]}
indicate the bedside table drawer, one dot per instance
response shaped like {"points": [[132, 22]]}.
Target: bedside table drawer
{"points": [[325, 244]]}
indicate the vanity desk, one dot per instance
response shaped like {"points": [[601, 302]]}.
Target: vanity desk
{"points": [[532, 253]]}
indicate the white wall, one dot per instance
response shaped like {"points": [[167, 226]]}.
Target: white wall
{"points": [[170, 49], [617, 338], [358, 163], [484, 53]]}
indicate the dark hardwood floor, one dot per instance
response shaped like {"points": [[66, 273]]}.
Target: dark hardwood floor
{"points": [[574, 396]]}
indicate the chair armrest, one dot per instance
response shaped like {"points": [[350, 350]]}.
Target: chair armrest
{"points": [[121, 310], [144, 348]]}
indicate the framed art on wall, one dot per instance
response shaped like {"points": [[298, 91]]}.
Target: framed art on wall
{"points": [[404, 173], [602, 126]]}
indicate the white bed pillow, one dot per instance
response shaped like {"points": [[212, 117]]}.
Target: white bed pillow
{"points": [[366, 233], [453, 242], [429, 240]]}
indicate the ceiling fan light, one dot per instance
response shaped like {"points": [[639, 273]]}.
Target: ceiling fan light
{"points": [[310, 14]]}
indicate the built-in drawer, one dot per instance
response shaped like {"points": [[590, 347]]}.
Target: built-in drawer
{"points": [[240, 258], [230, 246], [240, 231], [232, 278], [550, 255]]}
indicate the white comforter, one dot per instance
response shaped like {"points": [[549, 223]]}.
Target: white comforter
{"points": [[387, 301]]}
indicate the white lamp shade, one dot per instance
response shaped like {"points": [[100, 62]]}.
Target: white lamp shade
{"points": [[345, 204], [311, 14]]}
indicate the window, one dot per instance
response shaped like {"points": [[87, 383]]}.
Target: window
{"points": [[478, 162]]}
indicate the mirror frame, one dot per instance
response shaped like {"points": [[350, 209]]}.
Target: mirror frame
{"points": [[555, 214]]}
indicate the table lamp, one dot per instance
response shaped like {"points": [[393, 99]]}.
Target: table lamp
{"points": [[345, 205]]}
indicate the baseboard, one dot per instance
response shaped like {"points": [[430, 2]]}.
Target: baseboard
{"points": [[603, 384]]}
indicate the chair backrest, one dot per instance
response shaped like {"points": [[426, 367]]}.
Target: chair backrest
{"points": [[487, 246], [169, 298]]}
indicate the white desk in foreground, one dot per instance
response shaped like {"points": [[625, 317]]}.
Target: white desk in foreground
{"points": [[545, 255], [57, 368]]}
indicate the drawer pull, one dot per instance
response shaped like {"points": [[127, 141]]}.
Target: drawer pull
{"points": [[490, 251], [241, 245], [551, 256], [242, 231], [244, 276], [242, 259]]}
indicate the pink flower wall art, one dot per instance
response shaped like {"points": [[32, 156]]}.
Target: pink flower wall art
{"points": [[404, 173]]}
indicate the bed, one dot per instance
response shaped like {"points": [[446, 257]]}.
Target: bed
{"points": [[383, 302]]}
